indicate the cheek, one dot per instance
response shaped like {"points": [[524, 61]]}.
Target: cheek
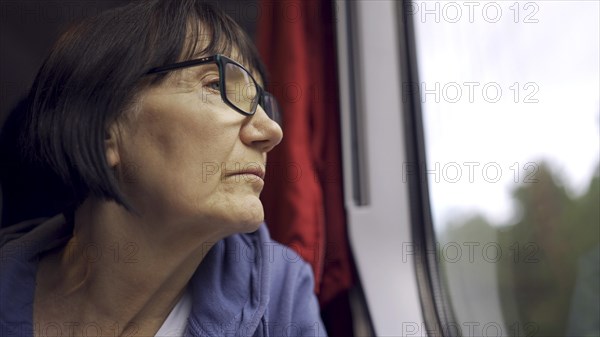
{"points": [[178, 173], [178, 155], [182, 141]]}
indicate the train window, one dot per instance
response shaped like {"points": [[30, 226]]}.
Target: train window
{"points": [[509, 94]]}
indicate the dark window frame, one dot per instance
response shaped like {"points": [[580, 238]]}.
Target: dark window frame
{"points": [[435, 304]]}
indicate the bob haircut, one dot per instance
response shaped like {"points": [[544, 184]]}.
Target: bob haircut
{"points": [[96, 69]]}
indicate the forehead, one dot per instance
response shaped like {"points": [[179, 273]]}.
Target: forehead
{"points": [[203, 40]]}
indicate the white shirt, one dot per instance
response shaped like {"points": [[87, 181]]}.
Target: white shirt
{"points": [[176, 322]]}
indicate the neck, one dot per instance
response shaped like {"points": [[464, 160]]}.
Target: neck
{"points": [[121, 270]]}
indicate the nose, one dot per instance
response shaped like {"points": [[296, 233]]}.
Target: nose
{"points": [[261, 132]]}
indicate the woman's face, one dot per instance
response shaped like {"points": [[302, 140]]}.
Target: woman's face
{"points": [[186, 157]]}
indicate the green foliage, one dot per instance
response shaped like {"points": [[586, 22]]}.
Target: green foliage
{"points": [[549, 276]]}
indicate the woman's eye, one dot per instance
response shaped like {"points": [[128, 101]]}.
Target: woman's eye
{"points": [[214, 85]]}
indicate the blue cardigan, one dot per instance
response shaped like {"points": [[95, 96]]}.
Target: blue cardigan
{"points": [[247, 285]]}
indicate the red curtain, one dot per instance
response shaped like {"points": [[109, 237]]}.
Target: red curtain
{"points": [[303, 196]]}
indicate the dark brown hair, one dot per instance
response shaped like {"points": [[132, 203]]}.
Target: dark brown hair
{"points": [[94, 72]]}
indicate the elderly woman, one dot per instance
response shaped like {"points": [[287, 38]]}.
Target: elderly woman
{"points": [[155, 117]]}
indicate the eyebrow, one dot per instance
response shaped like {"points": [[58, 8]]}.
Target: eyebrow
{"points": [[190, 77], [201, 69]]}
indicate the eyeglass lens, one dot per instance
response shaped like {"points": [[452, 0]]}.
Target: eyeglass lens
{"points": [[240, 89], [269, 103]]}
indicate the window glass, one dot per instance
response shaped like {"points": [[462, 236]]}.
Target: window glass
{"points": [[511, 112]]}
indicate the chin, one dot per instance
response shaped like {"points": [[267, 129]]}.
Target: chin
{"points": [[248, 217], [252, 223], [252, 227]]}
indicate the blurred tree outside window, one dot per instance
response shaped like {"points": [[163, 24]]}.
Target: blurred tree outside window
{"points": [[511, 111]]}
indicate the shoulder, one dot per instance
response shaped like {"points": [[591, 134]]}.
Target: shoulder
{"points": [[20, 246], [285, 265], [25, 240], [249, 284], [264, 288], [292, 307]]}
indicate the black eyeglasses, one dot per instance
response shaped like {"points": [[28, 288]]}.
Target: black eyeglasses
{"points": [[238, 88]]}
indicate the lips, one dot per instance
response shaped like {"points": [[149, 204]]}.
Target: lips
{"points": [[253, 169], [257, 172]]}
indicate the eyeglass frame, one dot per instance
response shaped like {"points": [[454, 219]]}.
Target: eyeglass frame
{"points": [[221, 61]]}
